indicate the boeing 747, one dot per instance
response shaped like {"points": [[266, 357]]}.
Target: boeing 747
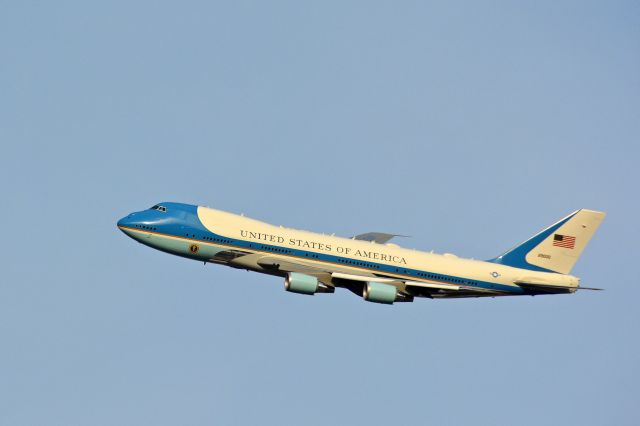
{"points": [[367, 264]]}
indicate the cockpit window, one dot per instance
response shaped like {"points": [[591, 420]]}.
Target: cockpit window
{"points": [[159, 208]]}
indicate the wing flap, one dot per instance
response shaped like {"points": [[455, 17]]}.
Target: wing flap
{"points": [[436, 286], [365, 278]]}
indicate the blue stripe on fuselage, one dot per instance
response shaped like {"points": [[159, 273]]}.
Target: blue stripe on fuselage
{"points": [[189, 226]]}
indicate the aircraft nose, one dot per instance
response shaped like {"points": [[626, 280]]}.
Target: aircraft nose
{"points": [[126, 221]]}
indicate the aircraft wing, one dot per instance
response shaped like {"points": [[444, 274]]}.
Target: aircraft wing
{"points": [[284, 264], [376, 237], [280, 265], [335, 276]]}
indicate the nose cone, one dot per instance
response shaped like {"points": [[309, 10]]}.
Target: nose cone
{"points": [[126, 223]]}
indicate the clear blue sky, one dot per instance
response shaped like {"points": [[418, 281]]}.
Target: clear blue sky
{"points": [[469, 127]]}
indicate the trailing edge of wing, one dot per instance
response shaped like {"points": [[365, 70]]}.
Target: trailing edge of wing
{"points": [[363, 278], [433, 285]]}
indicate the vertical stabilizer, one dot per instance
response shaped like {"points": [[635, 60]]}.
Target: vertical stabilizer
{"points": [[557, 248]]}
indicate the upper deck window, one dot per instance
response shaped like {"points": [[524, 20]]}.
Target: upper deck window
{"points": [[159, 208]]}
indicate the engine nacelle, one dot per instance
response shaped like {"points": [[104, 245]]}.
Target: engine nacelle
{"points": [[384, 293], [379, 293], [305, 284]]}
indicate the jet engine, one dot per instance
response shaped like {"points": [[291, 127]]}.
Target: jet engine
{"points": [[383, 293], [305, 284]]}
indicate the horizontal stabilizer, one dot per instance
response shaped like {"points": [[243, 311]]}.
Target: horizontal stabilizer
{"points": [[551, 287]]}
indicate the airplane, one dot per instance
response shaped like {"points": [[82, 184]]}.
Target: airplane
{"points": [[366, 264]]}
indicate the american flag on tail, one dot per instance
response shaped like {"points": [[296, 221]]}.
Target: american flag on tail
{"points": [[565, 241]]}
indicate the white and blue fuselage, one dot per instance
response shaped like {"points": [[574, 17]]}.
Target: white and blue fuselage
{"points": [[384, 273]]}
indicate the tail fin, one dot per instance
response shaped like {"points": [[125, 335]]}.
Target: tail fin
{"points": [[557, 248]]}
